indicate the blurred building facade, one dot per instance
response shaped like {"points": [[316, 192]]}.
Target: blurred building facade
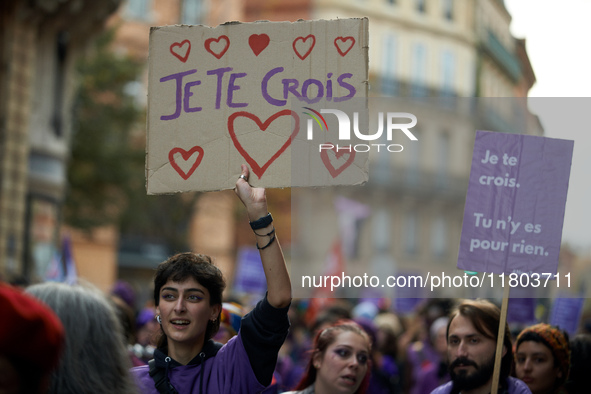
{"points": [[212, 230], [39, 43], [430, 58]]}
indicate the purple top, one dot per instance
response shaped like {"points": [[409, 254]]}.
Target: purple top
{"points": [[222, 372], [243, 365]]}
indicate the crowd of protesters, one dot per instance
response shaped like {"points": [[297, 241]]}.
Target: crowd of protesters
{"points": [[60, 338]]}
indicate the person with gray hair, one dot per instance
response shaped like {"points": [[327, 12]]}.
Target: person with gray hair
{"points": [[95, 359]]}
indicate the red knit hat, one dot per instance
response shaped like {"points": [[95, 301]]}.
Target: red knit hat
{"points": [[555, 339], [29, 330]]}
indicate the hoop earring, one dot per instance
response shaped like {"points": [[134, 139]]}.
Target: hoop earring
{"points": [[158, 319]]}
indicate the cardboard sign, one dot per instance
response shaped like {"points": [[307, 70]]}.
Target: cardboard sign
{"points": [[237, 93], [515, 204]]}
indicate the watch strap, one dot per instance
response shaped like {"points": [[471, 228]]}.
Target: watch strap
{"points": [[261, 222]]}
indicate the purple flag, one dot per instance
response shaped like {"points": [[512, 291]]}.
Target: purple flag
{"points": [[71, 271], [515, 204]]}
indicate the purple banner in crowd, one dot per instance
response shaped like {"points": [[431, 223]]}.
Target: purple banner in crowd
{"points": [[522, 305], [515, 203], [521, 310], [566, 314], [250, 275]]}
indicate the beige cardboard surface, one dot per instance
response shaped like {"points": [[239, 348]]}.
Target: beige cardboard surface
{"points": [[243, 93]]}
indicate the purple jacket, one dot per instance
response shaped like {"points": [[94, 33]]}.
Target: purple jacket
{"points": [[244, 365], [514, 386]]}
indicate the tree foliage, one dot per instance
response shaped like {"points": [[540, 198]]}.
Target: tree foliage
{"points": [[106, 172]]}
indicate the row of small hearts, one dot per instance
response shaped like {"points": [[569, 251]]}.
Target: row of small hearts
{"points": [[302, 46], [257, 169]]}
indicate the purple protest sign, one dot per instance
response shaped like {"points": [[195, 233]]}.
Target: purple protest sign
{"points": [[250, 275], [515, 204], [522, 305], [566, 314], [521, 310]]}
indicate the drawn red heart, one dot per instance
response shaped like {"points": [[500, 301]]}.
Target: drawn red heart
{"points": [[181, 49], [305, 55], [342, 44], [186, 155], [338, 153], [217, 53], [256, 168], [258, 43]]}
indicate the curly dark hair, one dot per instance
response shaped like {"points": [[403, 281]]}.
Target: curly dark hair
{"points": [[183, 266]]}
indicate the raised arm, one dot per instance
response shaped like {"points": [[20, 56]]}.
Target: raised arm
{"points": [[255, 201]]}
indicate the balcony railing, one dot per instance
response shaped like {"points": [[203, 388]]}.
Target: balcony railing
{"points": [[392, 87], [418, 182], [136, 252], [505, 59]]}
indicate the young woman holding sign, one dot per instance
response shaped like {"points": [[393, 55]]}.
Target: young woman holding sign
{"points": [[188, 297]]}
